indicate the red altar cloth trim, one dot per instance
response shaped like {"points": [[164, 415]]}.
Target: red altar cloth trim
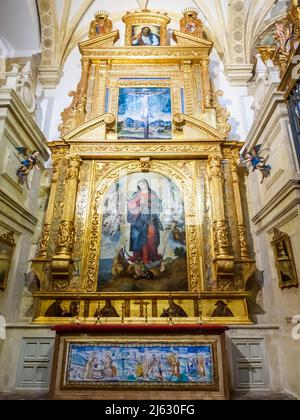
{"points": [[135, 328]]}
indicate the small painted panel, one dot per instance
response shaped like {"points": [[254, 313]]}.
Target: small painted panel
{"points": [[143, 364], [144, 113]]}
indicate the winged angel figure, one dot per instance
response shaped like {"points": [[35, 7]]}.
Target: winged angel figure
{"points": [[257, 157], [28, 163]]}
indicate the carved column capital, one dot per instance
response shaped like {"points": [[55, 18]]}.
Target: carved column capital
{"points": [[215, 167], [74, 163]]}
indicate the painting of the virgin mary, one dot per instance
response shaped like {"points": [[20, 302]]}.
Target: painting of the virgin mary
{"points": [[143, 216], [143, 244]]}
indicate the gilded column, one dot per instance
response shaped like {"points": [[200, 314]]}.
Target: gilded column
{"points": [[44, 241], [239, 210], [206, 87], [188, 87], [224, 260], [66, 234], [99, 96], [83, 90]]}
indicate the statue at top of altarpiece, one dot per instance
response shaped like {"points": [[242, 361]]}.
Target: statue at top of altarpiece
{"points": [[190, 23], [101, 25]]}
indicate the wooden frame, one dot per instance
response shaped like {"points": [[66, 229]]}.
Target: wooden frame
{"points": [[284, 259]]}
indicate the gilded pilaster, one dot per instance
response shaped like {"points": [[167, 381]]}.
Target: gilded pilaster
{"points": [[99, 96], [239, 210], [83, 89], [206, 86], [66, 235], [188, 86], [44, 241], [224, 261]]}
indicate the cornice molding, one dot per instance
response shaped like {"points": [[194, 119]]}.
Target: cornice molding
{"points": [[183, 119], [290, 187], [10, 101], [17, 213], [105, 119], [272, 100]]}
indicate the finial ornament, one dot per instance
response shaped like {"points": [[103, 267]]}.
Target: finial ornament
{"points": [[190, 24], [191, 11], [102, 14], [101, 25]]}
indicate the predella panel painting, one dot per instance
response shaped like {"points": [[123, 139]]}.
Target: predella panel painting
{"points": [[144, 113], [143, 244], [140, 364]]}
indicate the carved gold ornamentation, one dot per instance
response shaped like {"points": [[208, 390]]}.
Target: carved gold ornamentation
{"points": [[43, 246], [225, 284], [243, 241], [145, 164], [55, 173], [66, 237], [75, 113], [74, 163], [215, 167], [165, 53], [188, 87], [180, 120], [286, 43], [174, 171], [221, 242], [200, 130], [105, 119], [101, 25], [149, 148], [222, 116], [190, 24]]}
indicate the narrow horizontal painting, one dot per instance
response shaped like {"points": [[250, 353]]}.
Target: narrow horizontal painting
{"points": [[140, 364], [143, 238], [144, 113]]}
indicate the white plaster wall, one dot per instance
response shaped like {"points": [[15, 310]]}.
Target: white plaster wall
{"points": [[271, 205]]}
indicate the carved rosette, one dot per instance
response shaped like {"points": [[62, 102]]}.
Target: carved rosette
{"points": [[66, 237], [215, 167], [43, 246], [74, 163], [145, 164], [221, 242], [243, 241]]}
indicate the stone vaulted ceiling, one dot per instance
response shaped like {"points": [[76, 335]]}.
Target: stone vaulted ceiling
{"points": [[233, 25]]}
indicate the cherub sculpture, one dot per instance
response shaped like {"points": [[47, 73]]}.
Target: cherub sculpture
{"points": [[257, 157], [27, 165]]}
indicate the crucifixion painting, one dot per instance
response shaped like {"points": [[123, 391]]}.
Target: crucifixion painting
{"points": [[144, 113]]}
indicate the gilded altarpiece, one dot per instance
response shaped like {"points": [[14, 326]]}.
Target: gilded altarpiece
{"points": [[145, 220]]}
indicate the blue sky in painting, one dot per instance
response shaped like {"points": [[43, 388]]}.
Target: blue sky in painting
{"points": [[136, 103]]}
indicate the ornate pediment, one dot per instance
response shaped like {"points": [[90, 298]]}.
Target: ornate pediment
{"points": [[194, 128], [107, 40], [186, 40], [95, 129]]}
